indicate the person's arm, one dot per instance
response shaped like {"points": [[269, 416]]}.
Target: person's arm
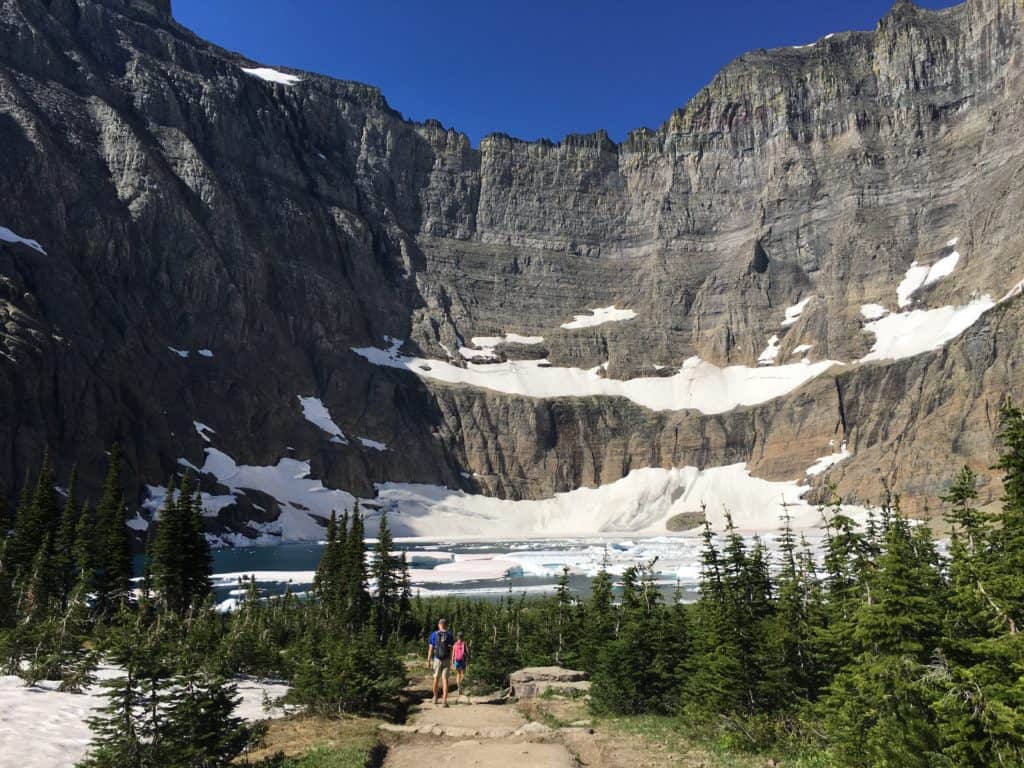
{"points": [[430, 649]]}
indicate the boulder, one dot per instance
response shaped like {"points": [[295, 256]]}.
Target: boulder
{"points": [[531, 682]]}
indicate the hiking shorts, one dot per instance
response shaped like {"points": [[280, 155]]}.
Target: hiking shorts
{"points": [[440, 668]]}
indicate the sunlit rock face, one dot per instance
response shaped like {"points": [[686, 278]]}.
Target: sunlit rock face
{"points": [[189, 237]]}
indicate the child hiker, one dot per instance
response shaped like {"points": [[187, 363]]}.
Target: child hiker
{"points": [[460, 658]]}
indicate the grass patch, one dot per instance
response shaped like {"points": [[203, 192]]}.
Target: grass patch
{"points": [[672, 734], [309, 741]]}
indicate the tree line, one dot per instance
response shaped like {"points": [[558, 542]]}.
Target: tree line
{"points": [[880, 647]]}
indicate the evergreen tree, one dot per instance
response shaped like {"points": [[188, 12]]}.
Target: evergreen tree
{"points": [[598, 616], [22, 547], [166, 557], [878, 708], [113, 554], [386, 573], [356, 596], [63, 552], [198, 557], [37, 517], [6, 518]]}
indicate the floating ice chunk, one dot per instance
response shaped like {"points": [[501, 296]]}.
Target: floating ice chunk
{"points": [[138, 523], [910, 333], [767, 357], [873, 311], [698, 385], [599, 317], [374, 444], [794, 312], [919, 276], [316, 413], [182, 353], [826, 462], [205, 353], [272, 75], [202, 429], [8, 236]]}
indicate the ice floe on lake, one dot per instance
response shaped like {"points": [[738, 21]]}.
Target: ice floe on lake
{"points": [[599, 316]]}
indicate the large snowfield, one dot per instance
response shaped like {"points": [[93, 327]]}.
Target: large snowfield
{"points": [[41, 727], [698, 385]]}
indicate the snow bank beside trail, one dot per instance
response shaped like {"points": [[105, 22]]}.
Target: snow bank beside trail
{"points": [[272, 75], [41, 727], [910, 333], [639, 504], [599, 316], [9, 236], [698, 385], [918, 277], [316, 413]]}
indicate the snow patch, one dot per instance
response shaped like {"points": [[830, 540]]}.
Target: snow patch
{"points": [[182, 353], [794, 312], [827, 462], [42, 727], [801, 349], [873, 311], [599, 317], [8, 236], [272, 75], [639, 504], [918, 277], [156, 495], [374, 444], [698, 385], [202, 429], [910, 333], [315, 412], [205, 353], [770, 352]]}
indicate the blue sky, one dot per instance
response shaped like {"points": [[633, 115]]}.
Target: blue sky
{"points": [[530, 69]]}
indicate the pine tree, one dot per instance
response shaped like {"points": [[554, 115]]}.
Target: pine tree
{"points": [[6, 518], [63, 553], [198, 559], [878, 708], [113, 554], [357, 598], [166, 557], [385, 573], [37, 516], [598, 616], [22, 547]]}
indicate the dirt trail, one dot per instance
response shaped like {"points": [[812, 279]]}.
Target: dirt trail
{"points": [[473, 732]]}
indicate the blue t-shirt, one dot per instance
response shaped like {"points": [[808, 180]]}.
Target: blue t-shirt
{"points": [[435, 635]]}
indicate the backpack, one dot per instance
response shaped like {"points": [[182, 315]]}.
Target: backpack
{"points": [[442, 646], [459, 651]]}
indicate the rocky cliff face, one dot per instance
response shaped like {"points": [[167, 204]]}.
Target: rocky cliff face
{"points": [[213, 244]]}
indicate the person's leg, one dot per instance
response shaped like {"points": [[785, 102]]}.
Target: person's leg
{"points": [[444, 683], [434, 674]]}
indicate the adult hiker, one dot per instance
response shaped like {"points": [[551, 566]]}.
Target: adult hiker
{"points": [[439, 656], [460, 659]]}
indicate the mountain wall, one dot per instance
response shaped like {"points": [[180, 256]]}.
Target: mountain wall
{"points": [[213, 244]]}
